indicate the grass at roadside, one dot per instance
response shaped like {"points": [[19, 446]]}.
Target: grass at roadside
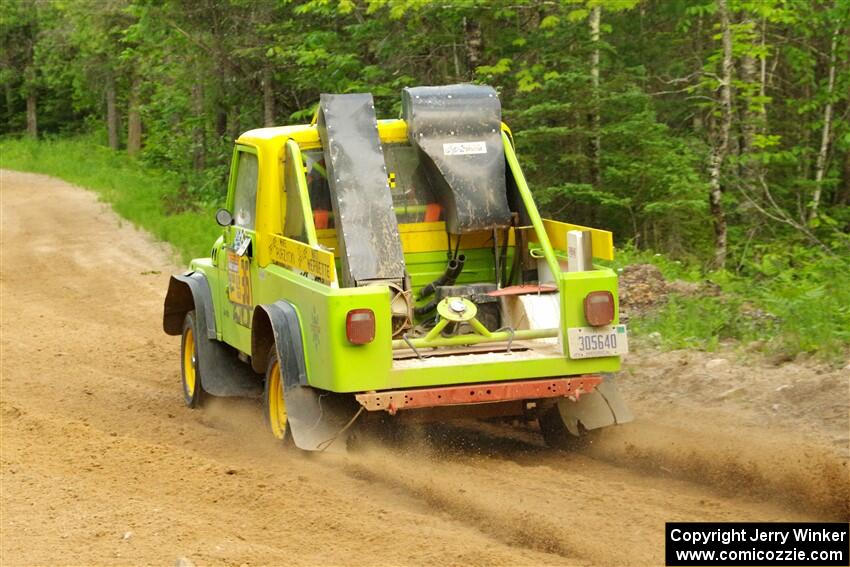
{"points": [[139, 194], [791, 303]]}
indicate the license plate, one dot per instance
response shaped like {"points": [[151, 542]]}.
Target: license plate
{"points": [[591, 342]]}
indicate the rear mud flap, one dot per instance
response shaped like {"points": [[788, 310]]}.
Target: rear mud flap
{"points": [[222, 374], [317, 419], [601, 408]]}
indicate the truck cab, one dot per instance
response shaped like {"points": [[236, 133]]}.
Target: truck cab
{"points": [[398, 268]]}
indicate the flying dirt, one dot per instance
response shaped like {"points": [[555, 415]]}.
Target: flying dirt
{"points": [[102, 463]]}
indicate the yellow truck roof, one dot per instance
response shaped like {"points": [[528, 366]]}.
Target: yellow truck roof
{"points": [[307, 135]]}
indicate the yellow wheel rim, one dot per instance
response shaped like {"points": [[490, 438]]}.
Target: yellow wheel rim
{"points": [[189, 361], [277, 405]]}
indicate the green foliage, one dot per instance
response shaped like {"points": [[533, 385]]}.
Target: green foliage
{"points": [[142, 195], [693, 322], [671, 269], [795, 300], [806, 290]]}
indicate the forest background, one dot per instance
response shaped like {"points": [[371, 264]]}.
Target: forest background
{"points": [[711, 136]]}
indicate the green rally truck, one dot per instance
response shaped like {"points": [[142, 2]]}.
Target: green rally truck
{"points": [[398, 269]]}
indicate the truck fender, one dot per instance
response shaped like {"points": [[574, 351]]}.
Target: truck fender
{"points": [[221, 372], [316, 417], [187, 291], [600, 408], [278, 324]]}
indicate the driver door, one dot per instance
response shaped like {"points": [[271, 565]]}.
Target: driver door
{"points": [[239, 266]]}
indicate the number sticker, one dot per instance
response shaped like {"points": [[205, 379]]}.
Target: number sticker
{"points": [[465, 148]]}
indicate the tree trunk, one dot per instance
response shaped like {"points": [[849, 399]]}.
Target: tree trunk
{"points": [[220, 121], [804, 135], [697, 120], [134, 118], [30, 89], [721, 142], [268, 96], [843, 195], [456, 61], [111, 113], [763, 69], [218, 97], [32, 118], [10, 100], [234, 124], [596, 141], [820, 167], [750, 123], [474, 46], [199, 142]]}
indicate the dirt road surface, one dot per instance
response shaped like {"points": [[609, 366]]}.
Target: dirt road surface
{"points": [[102, 464]]}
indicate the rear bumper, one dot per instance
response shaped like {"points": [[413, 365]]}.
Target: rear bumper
{"points": [[392, 401], [437, 371]]}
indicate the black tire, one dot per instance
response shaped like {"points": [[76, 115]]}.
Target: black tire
{"points": [[556, 434], [274, 404], [193, 390]]}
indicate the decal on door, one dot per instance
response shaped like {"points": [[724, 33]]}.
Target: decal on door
{"points": [[239, 287]]}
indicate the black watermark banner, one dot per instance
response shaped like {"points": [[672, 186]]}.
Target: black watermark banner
{"points": [[753, 543]]}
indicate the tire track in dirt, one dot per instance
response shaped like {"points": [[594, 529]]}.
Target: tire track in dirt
{"points": [[744, 462], [748, 463], [524, 530], [505, 483]]}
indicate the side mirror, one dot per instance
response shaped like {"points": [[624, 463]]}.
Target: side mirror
{"points": [[223, 217]]}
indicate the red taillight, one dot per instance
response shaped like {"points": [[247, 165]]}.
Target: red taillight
{"points": [[599, 308], [360, 326]]}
